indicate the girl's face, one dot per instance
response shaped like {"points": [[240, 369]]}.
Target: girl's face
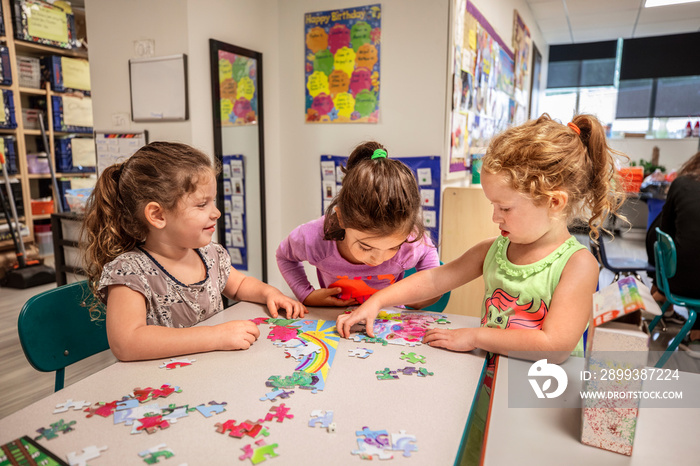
{"points": [[361, 247], [517, 216], [193, 224]]}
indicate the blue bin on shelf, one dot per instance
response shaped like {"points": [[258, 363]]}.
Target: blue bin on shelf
{"points": [[654, 206]]}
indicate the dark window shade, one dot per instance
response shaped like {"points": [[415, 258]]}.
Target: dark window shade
{"points": [[585, 51], [634, 98], [660, 56], [581, 73], [678, 97]]}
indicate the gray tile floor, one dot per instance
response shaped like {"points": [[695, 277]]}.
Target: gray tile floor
{"points": [[21, 385]]}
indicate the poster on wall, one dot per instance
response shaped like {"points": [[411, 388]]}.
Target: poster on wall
{"points": [[426, 169], [522, 47], [239, 97], [342, 66], [234, 210]]}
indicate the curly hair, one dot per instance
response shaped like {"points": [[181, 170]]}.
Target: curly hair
{"points": [[691, 167], [378, 195], [115, 222], [542, 156]]}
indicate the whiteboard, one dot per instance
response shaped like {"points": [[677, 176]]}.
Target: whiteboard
{"points": [[159, 88]]}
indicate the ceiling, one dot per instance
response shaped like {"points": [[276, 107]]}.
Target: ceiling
{"points": [[576, 21]]}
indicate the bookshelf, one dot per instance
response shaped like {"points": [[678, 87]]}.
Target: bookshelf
{"points": [[29, 140]]}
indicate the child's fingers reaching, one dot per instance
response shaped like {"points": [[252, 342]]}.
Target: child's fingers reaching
{"points": [[456, 340]]}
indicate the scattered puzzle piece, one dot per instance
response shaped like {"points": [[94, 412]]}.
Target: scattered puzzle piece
{"points": [[172, 413], [360, 352], [280, 333], [129, 416], [177, 362], [368, 451], [364, 338], [152, 423], [404, 442], [280, 413], [325, 418], [152, 455], [379, 438], [76, 405], [259, 453], [148, 393], [443, 320], [413, 358], [273, 395], [386, 374], [101, 409], [408, 370], [259, 320], [52, 432], [212, 407], [423, 372], [89, 453]]}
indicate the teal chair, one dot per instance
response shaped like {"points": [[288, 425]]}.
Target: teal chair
{"points": [[441, 304], [56, 330], [665, 254]]}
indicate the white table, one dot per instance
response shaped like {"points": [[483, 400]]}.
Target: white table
{"points": [[551, 436], [433, 408]]}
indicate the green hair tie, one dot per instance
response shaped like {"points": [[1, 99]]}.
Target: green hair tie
{"points": [[379, 154]]}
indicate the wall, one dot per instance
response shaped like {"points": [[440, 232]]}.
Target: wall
{"points": [[672, 152], [412, 103]]}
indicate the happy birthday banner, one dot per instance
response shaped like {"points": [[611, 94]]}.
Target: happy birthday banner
{"points": [[342, 65]]}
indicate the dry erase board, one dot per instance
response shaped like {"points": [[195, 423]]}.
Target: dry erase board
{"points": [[159, 88]]}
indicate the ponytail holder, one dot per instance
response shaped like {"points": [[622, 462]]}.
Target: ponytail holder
{"points": [[574, 127], [379, 154]]}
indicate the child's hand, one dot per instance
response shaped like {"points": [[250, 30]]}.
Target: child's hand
{"points": [[461, 339], [326, 297], [365, 313], [238, 334], [293, 308]]}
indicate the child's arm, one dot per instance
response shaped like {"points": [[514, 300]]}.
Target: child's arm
{"points": [[245, 288], [290, 254], [130, 338], [419, 286], [566, 320]]}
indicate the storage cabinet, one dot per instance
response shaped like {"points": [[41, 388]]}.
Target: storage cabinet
{"points": [[28, 137]]}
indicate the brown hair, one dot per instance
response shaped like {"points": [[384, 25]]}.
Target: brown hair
{"points": [[378, 195], [114, 223], [691, 167], [542, 156]]}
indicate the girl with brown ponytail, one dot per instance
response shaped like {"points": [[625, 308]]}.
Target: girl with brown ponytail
{"points": [[149, 257]]}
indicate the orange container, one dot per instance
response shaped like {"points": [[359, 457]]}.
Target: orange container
{"points": [[42, 207], [632, 178]]}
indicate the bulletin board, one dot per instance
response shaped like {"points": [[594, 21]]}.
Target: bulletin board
{"points": [[426, 169], [234, 210], [159, 88], [116, 147]]}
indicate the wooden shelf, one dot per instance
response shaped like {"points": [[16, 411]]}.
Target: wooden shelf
{"points": [[47, 176], [31, 90], [24, 47]]}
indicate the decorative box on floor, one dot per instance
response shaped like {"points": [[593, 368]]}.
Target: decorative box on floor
{"points": [[618, 348]]}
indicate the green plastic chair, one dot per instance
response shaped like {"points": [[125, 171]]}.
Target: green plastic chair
{"points": [[55, 330], [665, 254], [438, 306]]}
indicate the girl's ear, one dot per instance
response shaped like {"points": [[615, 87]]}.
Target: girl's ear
{"points": [[558, 201], [337, 214], [155, 215]]}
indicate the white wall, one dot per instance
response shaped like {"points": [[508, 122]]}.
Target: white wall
{"points": [[672, 152], [412, 103]]}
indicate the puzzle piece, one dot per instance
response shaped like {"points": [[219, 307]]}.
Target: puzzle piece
{"points": [[152, 455], [413, 358], [89, 453], [360, 352], [300, 378], [177, 362], [76, 405], [303, 352], [248, 428], [280, 333], [130, 403], [273, 395], [379, 438], [386, 374], [152, 423], [128, 416], [148, 393], [280, 413], [325, 418], [213, 407], [408, 370], [259, 320], [172, 413], [364, 338], [101, 409], [443, 320], [52, 432], [258, 454], [368, 451], [423, 372], [404, 442]]}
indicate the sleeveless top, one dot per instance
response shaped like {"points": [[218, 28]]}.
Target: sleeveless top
{"points": [[519, 296]]}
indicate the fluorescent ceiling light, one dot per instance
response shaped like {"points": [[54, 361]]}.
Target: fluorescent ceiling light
{"points": [[653, 3]]}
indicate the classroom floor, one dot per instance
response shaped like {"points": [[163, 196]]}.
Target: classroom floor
{"points": [[21, 385]]}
